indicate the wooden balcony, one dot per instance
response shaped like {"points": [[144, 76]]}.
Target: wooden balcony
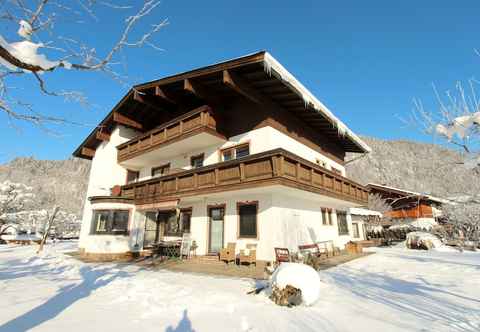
{"points": [[197, 121], [275, 167]]}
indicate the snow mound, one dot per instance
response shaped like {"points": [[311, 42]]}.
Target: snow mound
{"points": [[422, 240], [300, 276]]}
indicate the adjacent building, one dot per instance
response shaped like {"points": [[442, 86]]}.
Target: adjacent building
{"points": [[409, 207], [238, 151]]}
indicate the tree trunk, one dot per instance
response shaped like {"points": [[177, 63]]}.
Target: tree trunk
{"points": [[47, 228]]}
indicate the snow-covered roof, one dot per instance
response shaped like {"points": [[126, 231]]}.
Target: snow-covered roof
{"points": [[271, 64], [364, 212], [411, 193], [325, 122]]}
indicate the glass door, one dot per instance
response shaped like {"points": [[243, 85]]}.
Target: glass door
{"points": [[151, 229], [216, 230]]}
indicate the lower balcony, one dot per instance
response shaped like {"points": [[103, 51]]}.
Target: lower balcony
{"points": [[275, 167]]}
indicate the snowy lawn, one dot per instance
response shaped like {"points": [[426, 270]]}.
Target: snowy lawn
{"points": [[394, 290]]}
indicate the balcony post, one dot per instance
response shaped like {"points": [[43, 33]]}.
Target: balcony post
{"points": [[242, 172]]}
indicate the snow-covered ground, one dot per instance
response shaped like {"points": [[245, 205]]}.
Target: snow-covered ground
{"points": [[393, 290]]}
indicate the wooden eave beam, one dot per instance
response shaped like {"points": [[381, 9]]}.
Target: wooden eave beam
{"points": [[240, 86], [199, 91], [87, 152], [102, 136], [124, 120], [160, 93], [144, 99]]}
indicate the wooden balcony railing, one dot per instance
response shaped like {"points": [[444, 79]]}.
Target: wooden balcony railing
{"points": [[195, 121], [268, 168]]}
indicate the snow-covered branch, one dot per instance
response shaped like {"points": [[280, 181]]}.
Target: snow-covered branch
{"points": [[42, 20]]}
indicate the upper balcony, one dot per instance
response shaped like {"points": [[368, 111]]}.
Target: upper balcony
{"points": [[275, 167], [194, 130]]}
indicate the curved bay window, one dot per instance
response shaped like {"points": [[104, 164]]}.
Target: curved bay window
{"points": [[110, 222]]}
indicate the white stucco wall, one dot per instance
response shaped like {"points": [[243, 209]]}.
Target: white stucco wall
{"points": [[104, 174], [260, 140]]}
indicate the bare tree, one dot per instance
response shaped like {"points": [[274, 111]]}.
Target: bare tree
{"points": [[457, 122], [377, 203], [39, 24]]}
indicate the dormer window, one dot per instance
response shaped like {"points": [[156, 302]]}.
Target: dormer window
{"points": [[235, 152]]}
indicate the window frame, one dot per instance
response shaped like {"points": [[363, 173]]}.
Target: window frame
{"points": [[161, 167], [198, 156], [181, 231], [233, 149], [137, 176], [340, 229], [239, 205], [110, 222], [327, 216], [188, 211], [355, 230]]}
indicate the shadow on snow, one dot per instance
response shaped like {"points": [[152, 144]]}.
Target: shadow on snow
{"points": [[91, 279], [184, 325], [419, 298]]}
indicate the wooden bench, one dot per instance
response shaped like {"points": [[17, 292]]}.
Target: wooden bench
{"points": [[312, 249]]}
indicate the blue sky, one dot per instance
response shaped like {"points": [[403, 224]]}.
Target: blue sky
{"points": [[366, 60]]}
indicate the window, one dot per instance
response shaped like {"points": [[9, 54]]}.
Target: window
{"points": [[327, 216], [186, 217], [324, 216], [132, 176], [247, 218], [197, 161], [236, 152], [356, 233], [176, 225], [228, 155], [110, 222], [342, 223], [242, 151], [161, 170]]}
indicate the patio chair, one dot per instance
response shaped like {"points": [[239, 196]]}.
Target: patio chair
{"points": [[282, 255], [185, 245], [248, 255], [228, 254]]}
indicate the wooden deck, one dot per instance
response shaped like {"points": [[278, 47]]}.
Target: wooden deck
{"points": [[212, 266]]}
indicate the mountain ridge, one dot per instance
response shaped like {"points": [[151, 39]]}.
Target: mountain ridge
{"points": [[404, 164]]}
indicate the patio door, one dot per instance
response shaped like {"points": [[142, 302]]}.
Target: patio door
{"points": [[215, 243], [152, 229]]}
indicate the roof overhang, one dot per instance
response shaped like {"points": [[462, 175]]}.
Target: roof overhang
{"points": [[266, 78]]}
